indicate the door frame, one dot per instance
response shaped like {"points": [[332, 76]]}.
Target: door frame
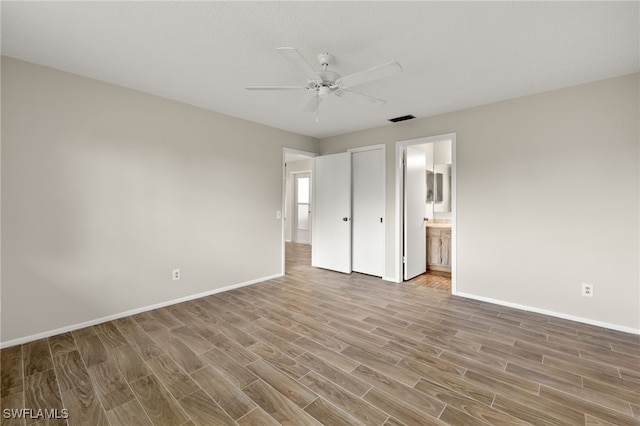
{"points": [[282, 210], [399, 202]]}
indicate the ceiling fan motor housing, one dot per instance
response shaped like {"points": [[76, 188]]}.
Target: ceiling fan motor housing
{"points": [[325, 59]]}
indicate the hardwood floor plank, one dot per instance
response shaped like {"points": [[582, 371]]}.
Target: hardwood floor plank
{"points": [[426, 403], [470, 407], [453, 416], [389, 369], [233, 349], [283, 345], [552, 377], [11, 371], [129, 362], [334, 358], [41, 392], [625, 390], [279, 407], [398, 408], [193, 340], [538, 411], [204, 411], [130, 413], [161, 408], [36, 357], [257, 417], [62, 343], [84, 406], [334, 374], [92, 350], [138, 339], [328, 414], [233, 371], [620, 414], [109, 335], [110, 386], [356, 407], [163, 316], [14, 401], [174, 378], [230, 398], [185, 357], [70, 371], [279, 360], [288, 387]]}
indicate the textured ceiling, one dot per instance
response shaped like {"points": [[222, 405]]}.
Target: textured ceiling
{"points": [[454, 54]]}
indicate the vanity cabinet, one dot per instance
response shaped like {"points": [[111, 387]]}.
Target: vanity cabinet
{"points": [[439, 248]]}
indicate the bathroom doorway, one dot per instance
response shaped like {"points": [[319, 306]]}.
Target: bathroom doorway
{"points": [[425, 202]]}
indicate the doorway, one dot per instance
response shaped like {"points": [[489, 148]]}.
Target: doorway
{"points": [[426, 211], [296, 164], [301, 209]]}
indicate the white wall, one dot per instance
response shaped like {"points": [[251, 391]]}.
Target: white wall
{"points": [[529, 171], [105, 190]]}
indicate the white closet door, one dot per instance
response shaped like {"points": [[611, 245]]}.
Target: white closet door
{"points": [[331, 221], [415, 249], [368, 211]]}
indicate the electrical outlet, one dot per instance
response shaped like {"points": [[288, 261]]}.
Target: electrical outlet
{"points": [[587, 289], [176, 274]]}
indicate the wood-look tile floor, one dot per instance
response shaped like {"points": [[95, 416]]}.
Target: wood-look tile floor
{"points": [[433, 280], [317, 347]]}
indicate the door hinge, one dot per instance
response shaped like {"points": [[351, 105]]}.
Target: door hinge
{"points": [[404, 259]]}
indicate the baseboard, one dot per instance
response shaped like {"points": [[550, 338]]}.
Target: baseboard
{"points": [[551, 313], [73, 327]]}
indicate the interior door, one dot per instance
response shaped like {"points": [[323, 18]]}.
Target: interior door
{"points": [[302, 206], [368, 211], [415, 251], [331, 221]]}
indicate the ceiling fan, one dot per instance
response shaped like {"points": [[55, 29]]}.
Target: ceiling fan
{"points": [[324, 82]]}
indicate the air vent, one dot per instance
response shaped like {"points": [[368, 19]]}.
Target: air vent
{"points": [[403, 118]]}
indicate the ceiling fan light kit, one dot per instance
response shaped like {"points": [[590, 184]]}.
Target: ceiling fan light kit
{"points": [[325, 82]]}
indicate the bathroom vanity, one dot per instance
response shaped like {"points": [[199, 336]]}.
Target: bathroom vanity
{"points": [[439, 246]]}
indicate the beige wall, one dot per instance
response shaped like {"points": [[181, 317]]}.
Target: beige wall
{"points": [[105, 190], [548, 196]]}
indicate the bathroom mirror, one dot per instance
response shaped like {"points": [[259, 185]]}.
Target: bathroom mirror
{"points": [[441, 188]]}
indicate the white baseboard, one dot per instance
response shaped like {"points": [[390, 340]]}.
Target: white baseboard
{"points": [[551, 313], [73, 327]]}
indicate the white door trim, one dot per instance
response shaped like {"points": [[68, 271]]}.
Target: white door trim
{"points": [[400, 148]]}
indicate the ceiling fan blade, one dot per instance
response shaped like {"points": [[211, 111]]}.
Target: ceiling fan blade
{"points": [[298, 60], [312, 105], [371, 74], [360, 98], [277, 88]]}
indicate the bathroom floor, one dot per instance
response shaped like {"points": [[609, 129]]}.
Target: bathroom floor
{"points": [[433, 280]]}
